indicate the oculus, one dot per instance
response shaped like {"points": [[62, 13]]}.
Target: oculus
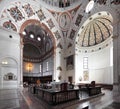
{"points": [[89, 6]]}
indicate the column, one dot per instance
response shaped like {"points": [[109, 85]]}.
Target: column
{"points": [[21, 60], [115, 64]]}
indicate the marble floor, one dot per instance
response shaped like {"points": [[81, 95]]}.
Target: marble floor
{"points": [[22, 99]]}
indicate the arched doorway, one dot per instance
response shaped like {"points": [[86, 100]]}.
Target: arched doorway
{"points": [[9, 73]]}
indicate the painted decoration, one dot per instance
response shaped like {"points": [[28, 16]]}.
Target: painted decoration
{"points": [[15, 13], [50, 23], [41, 15], [60, 46], [116, 2], [101, 2], [64, 21], [78, 20], [9, 25], [72, 34], [57, 34], [28, 10]]}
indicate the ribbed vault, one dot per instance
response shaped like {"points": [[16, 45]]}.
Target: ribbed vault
{"points": [[97, 30]]}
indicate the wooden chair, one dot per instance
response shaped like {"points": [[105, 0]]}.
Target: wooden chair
{"points": [[87, 107]]}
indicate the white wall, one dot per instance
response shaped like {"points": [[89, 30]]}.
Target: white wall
{"points": [[98, 66], [9, 49]]}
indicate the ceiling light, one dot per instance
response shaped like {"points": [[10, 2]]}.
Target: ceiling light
{"points": [[32, 36], [39, 39], [4, 62], [89, 6], [24, 33]]}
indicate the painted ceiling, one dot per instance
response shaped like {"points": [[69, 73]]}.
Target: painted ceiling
{"points": [[64, 19], [96, 31]]}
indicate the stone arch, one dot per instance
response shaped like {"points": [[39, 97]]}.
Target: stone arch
{"points": [[10, 72], [33, 21], [44, 26]]}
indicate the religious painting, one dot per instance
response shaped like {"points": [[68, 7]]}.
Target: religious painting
{"points": [[85, 75], [70, 62]]}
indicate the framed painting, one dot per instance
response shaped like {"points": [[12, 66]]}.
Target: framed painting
{"points": [[86, 75]]}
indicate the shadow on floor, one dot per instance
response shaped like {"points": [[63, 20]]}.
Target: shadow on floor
{"points": [[113, 105]]}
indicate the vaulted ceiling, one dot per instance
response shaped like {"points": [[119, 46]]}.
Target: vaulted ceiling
{"points": [[63, 19], [97, 30]]}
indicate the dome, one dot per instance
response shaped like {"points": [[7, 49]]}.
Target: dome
{"points": [[37, 43], [95, 30]]}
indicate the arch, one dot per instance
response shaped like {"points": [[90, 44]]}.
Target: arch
{"points": [[9, 57], [88, 31], [10, 72], [37, 22]]}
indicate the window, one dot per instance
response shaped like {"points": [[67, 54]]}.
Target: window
{"points": [[85, 63], [40, 68], [47, 66], [89, 6]]}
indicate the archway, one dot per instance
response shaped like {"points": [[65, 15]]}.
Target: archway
{"points": [[94, 50], [38, 52], [9, 73]]}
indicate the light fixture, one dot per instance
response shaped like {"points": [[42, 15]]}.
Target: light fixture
{"points": [[31, 36], [4, 62], [89, 6], [24, 32], [39, 39]]}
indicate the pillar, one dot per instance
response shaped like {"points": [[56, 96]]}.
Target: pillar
{"points": [[21, 60]]}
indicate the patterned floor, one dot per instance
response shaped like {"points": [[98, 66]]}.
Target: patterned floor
{"points": [[21, 99]]}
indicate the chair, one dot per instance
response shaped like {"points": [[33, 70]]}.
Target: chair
{"points": [[87, 107], [92, 84]]}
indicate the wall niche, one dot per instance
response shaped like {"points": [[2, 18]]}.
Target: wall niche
{"points": [[10, 76]]}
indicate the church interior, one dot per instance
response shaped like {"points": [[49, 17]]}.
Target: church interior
{"points": [[54, 53]]}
